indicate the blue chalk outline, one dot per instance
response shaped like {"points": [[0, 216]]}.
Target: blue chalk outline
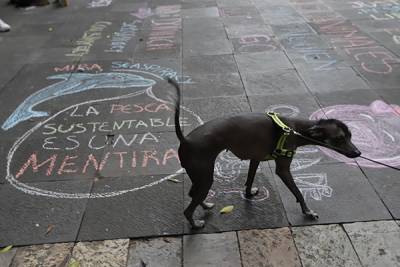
{"points": [[71, 84]]}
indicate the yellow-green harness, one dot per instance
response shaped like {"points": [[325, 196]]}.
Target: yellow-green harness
{"points": [[280, 150]]}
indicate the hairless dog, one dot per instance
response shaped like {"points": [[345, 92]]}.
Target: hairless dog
{"points": [[254, 137]]}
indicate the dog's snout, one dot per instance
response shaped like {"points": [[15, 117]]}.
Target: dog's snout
{"points": [[354, 154]]}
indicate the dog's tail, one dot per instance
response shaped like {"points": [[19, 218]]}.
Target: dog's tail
{"points": [[178, 129]]}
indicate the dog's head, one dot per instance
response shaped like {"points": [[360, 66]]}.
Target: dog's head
{"points": [[336, 135]]}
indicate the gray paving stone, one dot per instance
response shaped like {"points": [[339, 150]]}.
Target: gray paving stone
{"points": [[166, 252], [337, 192], [215, 64], [110, 253], [240, 31], [385, 181], [332, 80], [263, 61], [205, 36], [211, 250], [280, 15], [270, 247], [126, 216], [376, 243], [43, 255], [324, 245], [209, 12], [6, 257], [211, 108], [25, 218], [274, 82], [209, 85]]}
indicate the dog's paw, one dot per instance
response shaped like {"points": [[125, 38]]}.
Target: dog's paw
{"points": [[207, 205], [198, 224], [253, 192], [311, 214]]}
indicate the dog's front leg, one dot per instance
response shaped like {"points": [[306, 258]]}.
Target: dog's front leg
{"points": [[283, 171], [251, 191]]}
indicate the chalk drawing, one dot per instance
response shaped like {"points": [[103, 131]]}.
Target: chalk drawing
{"points": [[68, 161], [120, 39], [71, 84], [152, 68], [164, 28], [228, 167], [395, 33], [142, 13], [284, 110], [255, 43], [375, 131], [378, 10], [313, 185], [99, 3], [85, 43]]}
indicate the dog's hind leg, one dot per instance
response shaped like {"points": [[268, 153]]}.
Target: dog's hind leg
{"points": [[201, 184], [251, 191], [283, 171]]}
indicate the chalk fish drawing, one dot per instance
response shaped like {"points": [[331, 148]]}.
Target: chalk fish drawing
{"points": [[71, 84]]}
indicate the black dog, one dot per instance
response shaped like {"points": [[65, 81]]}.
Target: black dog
{"points": [[254, 137]]}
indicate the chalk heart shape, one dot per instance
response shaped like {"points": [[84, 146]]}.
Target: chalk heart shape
{"points": [[26, 139], [375, 131]]}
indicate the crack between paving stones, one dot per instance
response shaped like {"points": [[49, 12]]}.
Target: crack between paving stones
{"points": [[244, 88], [84, 212], [237, 67], [352, 245], [240, 250], [295, 245]]}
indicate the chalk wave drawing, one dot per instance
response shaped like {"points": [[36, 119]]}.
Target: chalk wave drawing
{"points": [[262, 195], [375, 131], [313, 185], [32, 190], [71, 84]]}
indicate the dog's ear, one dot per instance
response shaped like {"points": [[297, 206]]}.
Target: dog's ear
{"points": [[316, 131]]}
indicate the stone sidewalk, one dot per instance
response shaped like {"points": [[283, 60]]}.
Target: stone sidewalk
{"points": [[302, 58], [375, 244]]}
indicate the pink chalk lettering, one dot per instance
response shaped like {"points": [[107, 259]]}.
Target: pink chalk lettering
{"points": [[65, 164], [33, 161]]}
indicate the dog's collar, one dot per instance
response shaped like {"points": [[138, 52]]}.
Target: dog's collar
{"points": [[280, 150]]}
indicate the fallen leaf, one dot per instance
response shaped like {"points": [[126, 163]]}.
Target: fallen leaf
{"points": [[49, 228], [5, 249], [74, 264], [226, 209]]}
